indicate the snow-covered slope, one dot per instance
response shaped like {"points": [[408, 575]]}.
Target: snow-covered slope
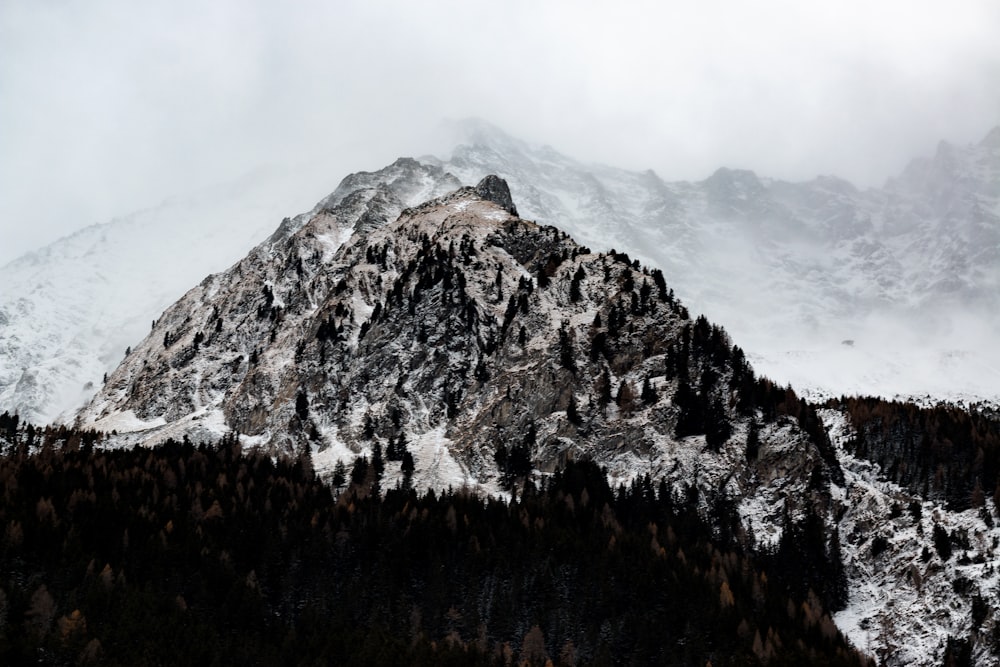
{"points": [[919, 573], [456, 327], [367, 322]]}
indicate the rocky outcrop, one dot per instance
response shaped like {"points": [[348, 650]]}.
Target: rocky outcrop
{"points": [[493, 188]]}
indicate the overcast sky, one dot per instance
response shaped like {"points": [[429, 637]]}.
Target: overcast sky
{"points": [[108, 106]]}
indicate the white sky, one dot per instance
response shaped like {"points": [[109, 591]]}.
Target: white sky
{"points": [[108, 106]]}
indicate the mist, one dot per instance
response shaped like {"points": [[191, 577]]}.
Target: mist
{"points": [[112, 106]]}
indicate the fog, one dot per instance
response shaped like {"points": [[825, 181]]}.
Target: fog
{"points": [[109, 106]]}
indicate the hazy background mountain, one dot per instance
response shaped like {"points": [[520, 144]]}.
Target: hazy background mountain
{"points": [[889, 291], [838, 290]]}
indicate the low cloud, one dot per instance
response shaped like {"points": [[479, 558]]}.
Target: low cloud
{"points": [[111, 106]]}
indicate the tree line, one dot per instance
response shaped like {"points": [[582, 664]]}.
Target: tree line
{"points": [[209, 554]]}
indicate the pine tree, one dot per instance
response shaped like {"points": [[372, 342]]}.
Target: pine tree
{"points": [[690, 420], [377, 461], [407, 467], [542, 276], [753, 440], [572, 413], [339, 474], [625, 398], [302, 406], [566, 350], [717, 427], [604, 389], [648, 395], [574, 286]]}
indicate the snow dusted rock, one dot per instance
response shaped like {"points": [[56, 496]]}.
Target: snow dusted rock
{"points": [[908, 271], [919, 574], [457, 328], [69, 311], [493, 188]]}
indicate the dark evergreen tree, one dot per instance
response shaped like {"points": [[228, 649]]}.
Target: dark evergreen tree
{"points": [[572, 413], [690, 418], [649, 395], [566, 356], [942, 542], [542, 277], [302, 406], [339, 475], [407, 467], [378, 462], [717, 427], [604, 388], [574, 286], [753, 440]]}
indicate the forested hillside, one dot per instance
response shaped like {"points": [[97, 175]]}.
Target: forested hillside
{"points": [[943, 453], [187, 554]]}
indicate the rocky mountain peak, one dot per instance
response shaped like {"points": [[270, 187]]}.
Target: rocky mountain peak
{"points": [[495, 189], [482, 344]]}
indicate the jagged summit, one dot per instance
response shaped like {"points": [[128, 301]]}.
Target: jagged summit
{"points": [[410, 182], [494, 189]]}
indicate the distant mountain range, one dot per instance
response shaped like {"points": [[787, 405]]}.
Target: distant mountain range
{"points": [[890, 291]]}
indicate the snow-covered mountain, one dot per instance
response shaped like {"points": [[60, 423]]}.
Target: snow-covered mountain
{"points": [[830, 288], [908, 594], [472, 339], [457, 325], [456, 331]]}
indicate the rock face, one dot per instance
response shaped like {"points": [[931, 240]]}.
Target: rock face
{"points": [[909, 270], [493, 188], [69, 311]]}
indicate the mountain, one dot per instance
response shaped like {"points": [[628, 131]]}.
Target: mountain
{"points": [[466, 347], [454, 325], [830, 288]]}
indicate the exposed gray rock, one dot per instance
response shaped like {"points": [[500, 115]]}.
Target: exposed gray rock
{"points": [[493, 188]]}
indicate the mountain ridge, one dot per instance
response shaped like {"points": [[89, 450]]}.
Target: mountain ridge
{"points": [[793, 272]]}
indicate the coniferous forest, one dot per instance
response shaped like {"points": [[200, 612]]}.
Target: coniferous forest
{"points": [[943, 452], [211, 555]]}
